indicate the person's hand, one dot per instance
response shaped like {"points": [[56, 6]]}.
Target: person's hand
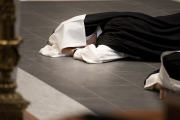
{"points": [[162, 91], [68, 51]]}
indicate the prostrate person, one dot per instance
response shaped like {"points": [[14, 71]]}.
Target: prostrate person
{"points": [[167, 79], [118, 34]]}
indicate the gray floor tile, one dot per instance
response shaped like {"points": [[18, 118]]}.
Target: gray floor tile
{"points": [[119, 3], [28, 23], [78, 3], [25, 10], [56, 63], [31, 54], [130, 2], [140, 101], [36, 20], [128, 97], [100, 87], [161, 4], [55, 80], [128, 68], [52, 9], [59, 17], [32, 39], [43, 32], [34, 47], [32, 43], [115, 93], [38, 3], [135, 79], [86, 68], [24, 32], [23, 57], [138, 71], [174, 11], [75, 92], [34, 68], [154, 64], [67, 4], [99, 9], [98, 105], [97, 77], [139, 8]]}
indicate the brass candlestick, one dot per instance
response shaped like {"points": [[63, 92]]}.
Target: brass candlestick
{"points": [[11, 103]]}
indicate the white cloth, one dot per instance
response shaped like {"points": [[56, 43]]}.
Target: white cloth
{"points": [[101, 54], [163, 77], [151, 81], [70, 33]]}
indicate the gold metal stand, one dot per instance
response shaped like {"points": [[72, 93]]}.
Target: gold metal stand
{"points": [[11, 103]]}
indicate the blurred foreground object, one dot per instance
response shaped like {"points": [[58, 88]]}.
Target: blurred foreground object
{"points": [[11, 103], [172, 103]]}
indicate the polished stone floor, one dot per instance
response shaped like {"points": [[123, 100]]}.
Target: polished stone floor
{"points": [[102, 88]]}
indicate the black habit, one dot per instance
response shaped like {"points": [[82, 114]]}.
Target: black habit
{"points": [[136, 34]]}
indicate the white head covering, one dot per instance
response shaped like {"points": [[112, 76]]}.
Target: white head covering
{"points": [[70, 33]]}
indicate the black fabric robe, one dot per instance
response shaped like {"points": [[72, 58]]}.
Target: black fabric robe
{"points": [[136, 34]]}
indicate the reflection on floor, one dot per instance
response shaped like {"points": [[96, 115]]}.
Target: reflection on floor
{"points": [[99, 87]]}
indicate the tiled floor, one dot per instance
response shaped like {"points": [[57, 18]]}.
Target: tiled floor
{"points": [[99, 87], [47, 103]]}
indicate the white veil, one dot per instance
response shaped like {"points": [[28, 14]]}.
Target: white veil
{"points": [[70, 33]]}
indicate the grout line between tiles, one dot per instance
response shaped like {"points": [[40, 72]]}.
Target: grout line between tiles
{"points": [[135, 85], [45, 94], [123, 78], [93, 92], [152, 7], [41, 27], [150, 65], [25, 34], [33, 54], [42, 15], [37, 62], [130, 82], [173, 9], [103, 99], [81, 86], [97, 95], [126, 110], [105, 6], [108, 86], [33, 33], [84, 98]]}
